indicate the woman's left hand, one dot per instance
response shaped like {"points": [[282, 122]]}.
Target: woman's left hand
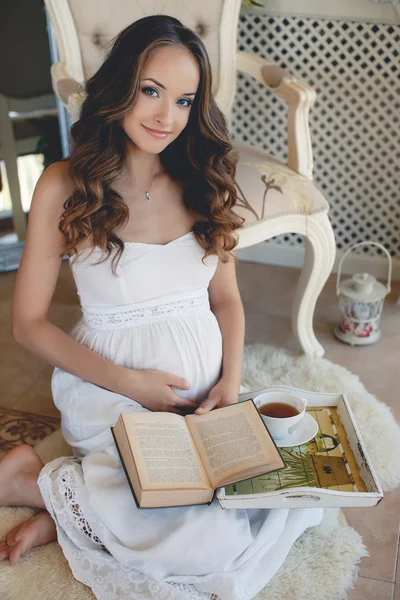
{"points": [[222, 394]]}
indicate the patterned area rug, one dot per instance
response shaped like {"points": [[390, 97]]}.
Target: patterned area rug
{"points": [[19, 427]]}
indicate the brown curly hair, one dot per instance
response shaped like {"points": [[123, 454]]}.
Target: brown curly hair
{"points": [[201, 157]]}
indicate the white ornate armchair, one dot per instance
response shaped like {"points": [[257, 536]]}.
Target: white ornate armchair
{"points": [[282, 197]]}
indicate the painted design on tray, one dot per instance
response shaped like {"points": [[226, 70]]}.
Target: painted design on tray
{"points": [[322, 462]]}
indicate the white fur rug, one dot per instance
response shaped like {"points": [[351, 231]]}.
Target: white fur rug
{"points": [[323, 563]]}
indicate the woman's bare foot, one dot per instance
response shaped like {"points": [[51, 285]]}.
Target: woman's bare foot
{"points": [[37, 531], [19, 471]]}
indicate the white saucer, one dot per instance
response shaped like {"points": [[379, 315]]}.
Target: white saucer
{"points": [[305, 431]]}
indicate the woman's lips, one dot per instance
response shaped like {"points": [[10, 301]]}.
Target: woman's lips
{"points": [[156, 133]]}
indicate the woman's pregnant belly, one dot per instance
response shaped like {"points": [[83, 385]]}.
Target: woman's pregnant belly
{"points": [[189, 346]]}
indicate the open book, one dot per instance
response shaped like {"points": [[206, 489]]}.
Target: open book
{"points": [[172, 460]]}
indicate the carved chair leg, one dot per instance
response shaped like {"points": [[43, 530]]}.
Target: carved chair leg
{"points": [[319, 257]]}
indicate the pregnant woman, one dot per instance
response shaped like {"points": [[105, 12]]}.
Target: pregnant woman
{"points": [[143, 207]]}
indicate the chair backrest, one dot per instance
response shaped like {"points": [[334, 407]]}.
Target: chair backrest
{"points": [[83, 31]]}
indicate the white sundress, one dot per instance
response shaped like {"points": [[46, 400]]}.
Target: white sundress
{"points": [[153, 314]]}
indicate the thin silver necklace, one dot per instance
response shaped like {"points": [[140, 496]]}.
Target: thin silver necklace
{"points": [[146, 193]]}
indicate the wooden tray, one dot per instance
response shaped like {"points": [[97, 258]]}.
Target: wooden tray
{"points": [[331, 470]]}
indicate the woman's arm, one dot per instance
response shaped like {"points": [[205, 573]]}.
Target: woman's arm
{"points": [[227, 306], [36, 281], [34, 288]]}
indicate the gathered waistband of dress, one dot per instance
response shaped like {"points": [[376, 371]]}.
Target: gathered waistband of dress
{"points": [[130, 314]]}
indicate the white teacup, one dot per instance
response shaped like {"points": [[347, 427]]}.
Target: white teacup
{"points": [[281, 427]]}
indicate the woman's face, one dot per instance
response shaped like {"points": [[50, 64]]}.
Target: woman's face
{"points": [[167, 88]]}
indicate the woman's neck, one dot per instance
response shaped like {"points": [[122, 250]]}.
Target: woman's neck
{"points": [[141, 167]]}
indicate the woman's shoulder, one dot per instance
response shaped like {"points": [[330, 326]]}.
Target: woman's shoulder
{"points": [[54, 186], [57, 176]]}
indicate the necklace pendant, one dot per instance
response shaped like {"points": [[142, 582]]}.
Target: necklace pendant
{"points": [[147, 196]]}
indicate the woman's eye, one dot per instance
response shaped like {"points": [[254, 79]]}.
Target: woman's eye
{"points": [[189, 103], [148, 89]]}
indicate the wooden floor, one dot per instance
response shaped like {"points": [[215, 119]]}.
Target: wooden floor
{"points": [[267, 292]]}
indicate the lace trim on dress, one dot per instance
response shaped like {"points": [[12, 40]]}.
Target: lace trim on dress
{"points": [[65, 496], [67, 483], [135, 316]]}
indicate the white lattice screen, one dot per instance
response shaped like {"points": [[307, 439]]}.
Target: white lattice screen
{"points": [[354, 123]]}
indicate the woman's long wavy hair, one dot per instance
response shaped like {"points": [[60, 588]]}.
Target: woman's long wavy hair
{"points": [[201, 157]]}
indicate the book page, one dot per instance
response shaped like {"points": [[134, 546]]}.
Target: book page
{"points": [[163, 451], [232, 441]]}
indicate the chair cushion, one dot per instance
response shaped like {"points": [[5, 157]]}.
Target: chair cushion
{"points": [[270, 188]]}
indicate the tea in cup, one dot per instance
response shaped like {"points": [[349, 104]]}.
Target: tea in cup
{"points": [[281, 412]]}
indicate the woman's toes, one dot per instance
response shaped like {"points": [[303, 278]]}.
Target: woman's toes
{"points": [[18, 550], [37, 531], [10, 539], [4, 550], [11, 546]]}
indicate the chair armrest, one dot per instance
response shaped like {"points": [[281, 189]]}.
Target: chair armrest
{"points": [[299, 97], [67, 89]]}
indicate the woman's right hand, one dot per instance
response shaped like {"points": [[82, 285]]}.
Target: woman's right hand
{"points": [[152, 389]]}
